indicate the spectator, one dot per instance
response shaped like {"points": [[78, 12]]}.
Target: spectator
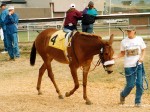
{"points": [[133, 48], [89, 14], [3, 15], [11, 22], [72, 16]]}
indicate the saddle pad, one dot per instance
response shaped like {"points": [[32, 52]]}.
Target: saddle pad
{"points": [[57, 40]]}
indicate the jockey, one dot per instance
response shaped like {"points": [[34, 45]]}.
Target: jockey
{"points": [[72, 16]]}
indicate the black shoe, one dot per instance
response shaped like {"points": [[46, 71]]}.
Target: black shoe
{"points": [[12, 59], [122, 99]]}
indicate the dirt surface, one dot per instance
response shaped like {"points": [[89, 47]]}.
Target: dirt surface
{"points": [[18, 89]]}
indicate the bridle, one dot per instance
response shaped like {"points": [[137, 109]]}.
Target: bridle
{"points": [[101, 60], [101, 57]]}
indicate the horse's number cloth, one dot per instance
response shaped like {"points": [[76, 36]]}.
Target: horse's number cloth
{"points": [[58, 40]]}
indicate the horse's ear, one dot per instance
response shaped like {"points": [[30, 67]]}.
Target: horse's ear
{"points": [[111, 39]]}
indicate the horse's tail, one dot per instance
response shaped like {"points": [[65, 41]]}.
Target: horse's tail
{"points": [[33, 55]]}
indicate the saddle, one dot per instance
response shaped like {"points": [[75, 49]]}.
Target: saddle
{"points": [[61, 40]]}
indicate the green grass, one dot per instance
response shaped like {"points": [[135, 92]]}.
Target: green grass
{"points": [[23, 36]]}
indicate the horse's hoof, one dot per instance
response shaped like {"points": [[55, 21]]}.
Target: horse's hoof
{"points": [[60, 97], [67, 94], [88, 102], [39, 93]]}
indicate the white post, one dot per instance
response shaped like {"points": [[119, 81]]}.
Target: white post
{"points": [[28, 32], [109, 14], [52, 9]]}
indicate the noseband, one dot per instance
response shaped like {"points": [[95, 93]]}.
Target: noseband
{"points": [[101, 58]]}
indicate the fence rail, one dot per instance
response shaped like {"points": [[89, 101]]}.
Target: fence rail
{"points": [[29, 28], [111, 16]]}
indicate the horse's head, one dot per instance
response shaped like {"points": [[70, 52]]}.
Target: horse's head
{"points": [[106, 54]]}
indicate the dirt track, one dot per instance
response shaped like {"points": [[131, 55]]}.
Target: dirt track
{"points": [[18, 89]]}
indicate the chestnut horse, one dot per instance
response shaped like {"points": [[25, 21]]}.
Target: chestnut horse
{"points": [[80, 54]]}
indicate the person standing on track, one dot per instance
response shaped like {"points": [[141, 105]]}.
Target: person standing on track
{"points": [[133, 49], [3, 15], [11, 22], [88, 19]]}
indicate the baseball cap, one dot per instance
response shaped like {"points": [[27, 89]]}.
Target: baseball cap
{"points": [[3, 4], [72, 6], [131, 28]]}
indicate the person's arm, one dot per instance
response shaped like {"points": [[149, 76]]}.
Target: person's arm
{"points": [[10, 19], [121, 54], [13, 19], [78, 14], [142, 55], [6, 21], [16, 19], [85, 11], [96, 13], [2, 17], [122, 51]]}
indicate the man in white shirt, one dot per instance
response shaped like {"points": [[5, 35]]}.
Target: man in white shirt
{"points": [[133, 51]]}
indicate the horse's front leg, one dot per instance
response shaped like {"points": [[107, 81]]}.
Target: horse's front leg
{"points": [[75, 78], [86, 68]]}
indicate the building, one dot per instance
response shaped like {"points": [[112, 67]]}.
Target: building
{"points": [[49, 8]]}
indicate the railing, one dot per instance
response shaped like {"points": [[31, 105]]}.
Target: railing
{"points": [[28, 32]]}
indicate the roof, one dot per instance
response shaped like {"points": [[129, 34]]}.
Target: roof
{"points": [[14, 1]]}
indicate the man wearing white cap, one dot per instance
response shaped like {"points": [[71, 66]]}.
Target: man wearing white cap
{"points": [[72, 16], [11, 22]]}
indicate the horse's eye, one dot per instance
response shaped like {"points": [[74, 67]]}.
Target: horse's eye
{"points": [[106, 53]]}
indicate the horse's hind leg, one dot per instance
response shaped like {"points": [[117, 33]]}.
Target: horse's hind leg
{"points": [[76, 82], [41, 72], [51, 76]]}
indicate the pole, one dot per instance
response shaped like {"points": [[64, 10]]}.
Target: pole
{"points": [[28, 32], [52, 9], [122, 32], [109, 14]]}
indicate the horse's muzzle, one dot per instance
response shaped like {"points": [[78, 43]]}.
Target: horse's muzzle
{"points": [[109, 69], [109, 72]]}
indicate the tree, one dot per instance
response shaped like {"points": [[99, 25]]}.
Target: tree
{"points": [[127, 2], [141, 2]]}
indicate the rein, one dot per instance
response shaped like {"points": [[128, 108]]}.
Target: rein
{"points": [[144, 76], [99, 61], [97, 64]]}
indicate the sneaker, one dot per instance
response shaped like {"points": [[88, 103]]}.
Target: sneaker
{"points": [[4, 52], [122, 99], [137, 105]]}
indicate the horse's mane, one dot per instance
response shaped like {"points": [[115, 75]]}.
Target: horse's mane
{"points": [[89, 36]]}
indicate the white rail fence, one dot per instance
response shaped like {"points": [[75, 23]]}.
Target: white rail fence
{"points": [[28, 32]]}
